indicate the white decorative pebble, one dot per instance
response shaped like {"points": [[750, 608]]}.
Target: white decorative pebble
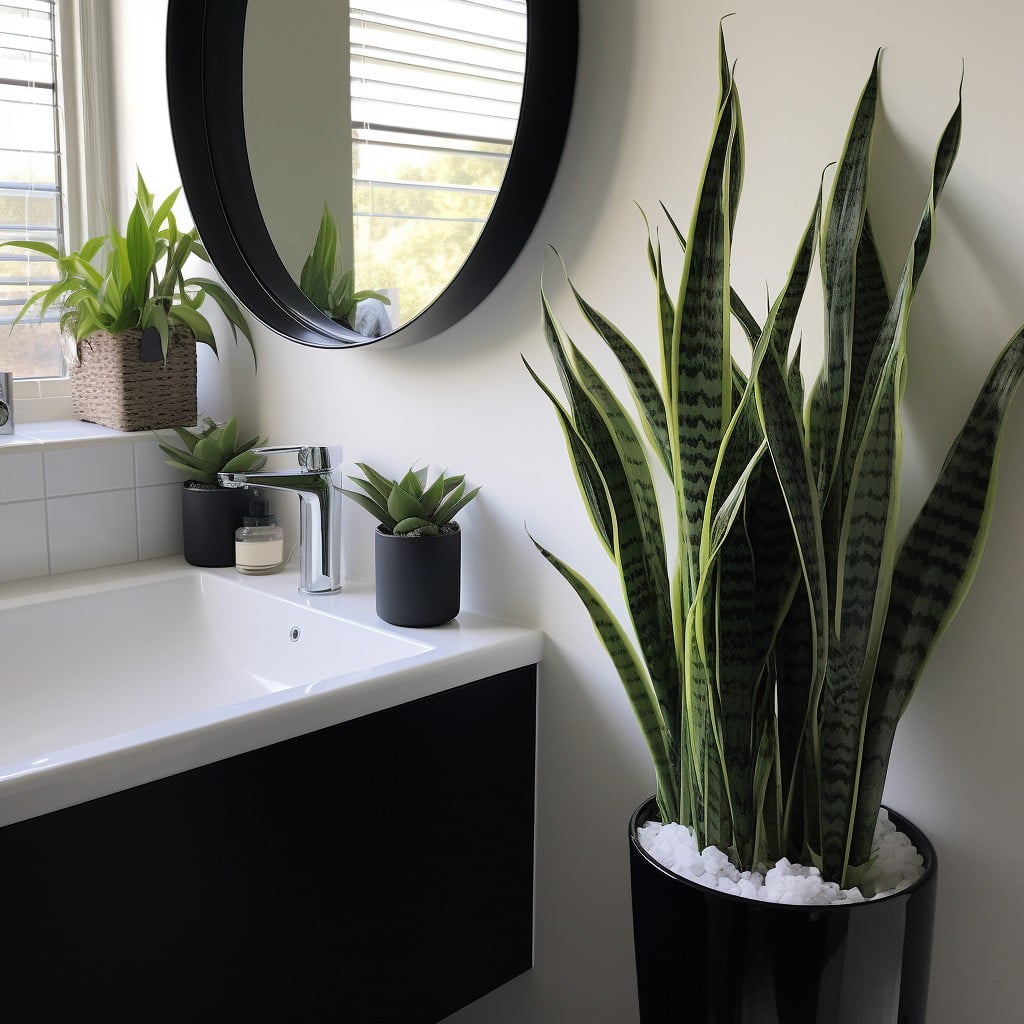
{"points": [[896, 865]]}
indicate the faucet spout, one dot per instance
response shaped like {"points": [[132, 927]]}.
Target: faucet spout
{"points": [[318, 486]]}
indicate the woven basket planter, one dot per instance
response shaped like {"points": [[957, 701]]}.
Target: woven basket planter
{"points": [[112, 386]]}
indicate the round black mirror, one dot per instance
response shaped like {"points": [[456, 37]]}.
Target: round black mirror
{"points": [[466, 142]]}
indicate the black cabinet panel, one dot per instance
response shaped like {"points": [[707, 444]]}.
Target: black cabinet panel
{"points": [[380, 870]]}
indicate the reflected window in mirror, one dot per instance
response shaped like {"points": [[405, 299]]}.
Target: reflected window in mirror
{"points": [[412, 110]]}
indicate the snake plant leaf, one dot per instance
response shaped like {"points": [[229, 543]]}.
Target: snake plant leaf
{"points": [[634, 678], [639, 550], [841, 230], [739, 309], [889, 336], [840, 750], [594, 433], [783, 430], [666, 309], [936, 566], [638, 376], [585, 469], [699, 405]]}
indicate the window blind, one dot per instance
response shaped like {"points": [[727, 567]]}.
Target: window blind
{"points": [[436, 88], [31, 204]]}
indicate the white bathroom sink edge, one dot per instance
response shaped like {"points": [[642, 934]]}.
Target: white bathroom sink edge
{"points": [[470, 648]]}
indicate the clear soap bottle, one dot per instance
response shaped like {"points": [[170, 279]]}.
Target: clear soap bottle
{"points": [[259, 542]]}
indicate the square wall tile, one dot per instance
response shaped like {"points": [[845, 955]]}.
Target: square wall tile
{"points": [[23, 554], [150, 467], [82, 469], [159, 512], [89, 530], [21, 476]]}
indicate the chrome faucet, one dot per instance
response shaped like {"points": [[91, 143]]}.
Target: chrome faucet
{"points": [[318, 485]]}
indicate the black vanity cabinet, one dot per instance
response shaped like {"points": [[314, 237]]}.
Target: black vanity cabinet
{"points": [[380, 870]]}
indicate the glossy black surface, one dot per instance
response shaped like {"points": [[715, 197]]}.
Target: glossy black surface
{"points": [[417, 579], [713, 958], [338, 876], [204, 81]]}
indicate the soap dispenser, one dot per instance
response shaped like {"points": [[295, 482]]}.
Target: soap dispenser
{"points": [[259, 541]]}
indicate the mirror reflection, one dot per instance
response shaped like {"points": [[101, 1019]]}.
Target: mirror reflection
{"points": [[378, 137]]}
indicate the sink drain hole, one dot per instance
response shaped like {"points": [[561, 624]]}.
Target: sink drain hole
{"points": [[294, 633]]}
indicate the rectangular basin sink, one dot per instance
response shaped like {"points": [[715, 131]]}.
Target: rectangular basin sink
{"points": [[84, 667]]}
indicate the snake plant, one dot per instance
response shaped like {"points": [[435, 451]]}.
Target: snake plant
{"points": [[779, 626], [411, 505]]}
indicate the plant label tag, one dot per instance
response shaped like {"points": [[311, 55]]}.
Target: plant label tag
{"points": [[150, 349]]}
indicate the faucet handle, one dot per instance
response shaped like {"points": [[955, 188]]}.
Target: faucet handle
{"points": [[314, 458]]}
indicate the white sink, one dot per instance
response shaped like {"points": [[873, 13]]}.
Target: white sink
{"points": [[81, 668], [116, 677]]}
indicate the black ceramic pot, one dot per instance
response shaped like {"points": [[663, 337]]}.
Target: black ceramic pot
{"points": [[714, 958], [209, 518], [418, 578]]}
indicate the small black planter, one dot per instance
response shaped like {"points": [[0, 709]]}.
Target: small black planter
{"points": [[209, 518], [418, 578], [714, 958]]}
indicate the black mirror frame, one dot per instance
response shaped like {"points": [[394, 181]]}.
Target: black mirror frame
{"points": [[204, 88]]}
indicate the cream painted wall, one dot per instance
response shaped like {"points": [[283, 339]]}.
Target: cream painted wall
{"points": [[645, 99]]}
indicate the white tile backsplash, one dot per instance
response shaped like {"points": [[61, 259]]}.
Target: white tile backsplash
{"points": [[159, 513], [21, 476], [77, 496], [89, 467], [23, 553], [89, 530], [150, 467]]}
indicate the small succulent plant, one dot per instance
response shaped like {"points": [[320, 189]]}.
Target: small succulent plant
{"points": [[411, 506], [213, 449]]}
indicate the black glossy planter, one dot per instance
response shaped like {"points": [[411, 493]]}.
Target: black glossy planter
{"points": [[418, 578], [209, 518], [714, 958]]}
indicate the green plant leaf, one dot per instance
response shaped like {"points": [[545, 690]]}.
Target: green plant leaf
{"points": [[375, 508], [634, 679]]}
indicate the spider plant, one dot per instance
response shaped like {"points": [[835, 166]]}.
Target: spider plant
{"points": [[118, 282], [325, 283], [778, 624]]}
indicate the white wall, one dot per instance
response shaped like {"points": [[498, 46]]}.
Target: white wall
{"points": [[646, 90]]}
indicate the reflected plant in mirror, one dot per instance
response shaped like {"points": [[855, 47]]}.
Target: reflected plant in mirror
{"points": [[331, 288]]}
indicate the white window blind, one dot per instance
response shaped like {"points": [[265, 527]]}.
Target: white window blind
{"points": [[31, 199], [436, 90]]}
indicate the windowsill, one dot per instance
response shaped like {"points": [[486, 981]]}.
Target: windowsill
{"points": [[65, 433]]}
